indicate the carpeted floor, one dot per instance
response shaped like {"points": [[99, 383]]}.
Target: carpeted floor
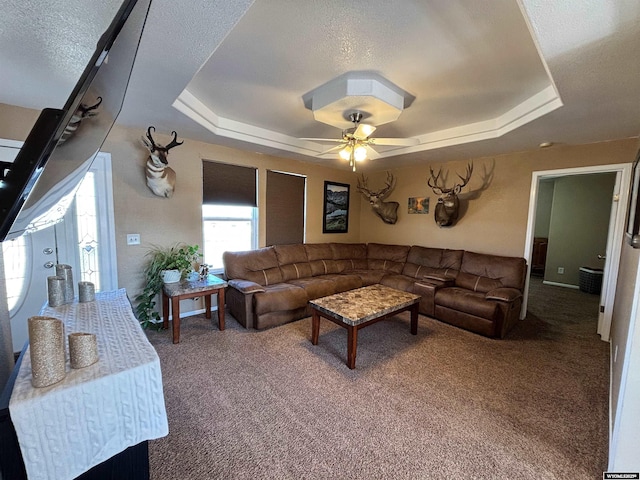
{"points": [[443, 404]]}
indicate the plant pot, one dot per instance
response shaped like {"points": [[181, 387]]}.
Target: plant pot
{"points": [[170, 276]]}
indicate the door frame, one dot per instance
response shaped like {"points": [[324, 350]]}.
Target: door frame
{"points": [[615, 236]]}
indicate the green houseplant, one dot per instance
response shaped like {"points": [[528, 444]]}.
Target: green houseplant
{"points": [[181, 257]]}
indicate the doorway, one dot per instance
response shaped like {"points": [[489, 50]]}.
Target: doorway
{"points": [[614, 235]]}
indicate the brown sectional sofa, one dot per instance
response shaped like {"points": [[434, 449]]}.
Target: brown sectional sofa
{"points": [[273, 285]]}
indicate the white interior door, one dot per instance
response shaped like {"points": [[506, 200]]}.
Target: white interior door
{"points": [[40, 257]]}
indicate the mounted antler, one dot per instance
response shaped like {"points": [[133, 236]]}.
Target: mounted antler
{"points": [[387, 211], [161, 178], [446, 211], [174, 142]]}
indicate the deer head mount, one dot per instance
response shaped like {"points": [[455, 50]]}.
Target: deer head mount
{"points": [[387, 211], [161, 178], [448, 206]]}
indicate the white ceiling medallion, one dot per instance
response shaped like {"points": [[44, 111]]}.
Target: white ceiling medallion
{"points": [[376, 98]]}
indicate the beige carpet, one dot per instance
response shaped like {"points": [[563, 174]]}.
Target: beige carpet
{"points": [[443, 404]]}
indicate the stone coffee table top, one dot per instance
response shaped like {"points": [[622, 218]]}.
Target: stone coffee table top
{"points": [[363, 304]]}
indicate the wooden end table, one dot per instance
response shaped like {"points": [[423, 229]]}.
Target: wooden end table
{"points": [[359, 308], [199, 288]]}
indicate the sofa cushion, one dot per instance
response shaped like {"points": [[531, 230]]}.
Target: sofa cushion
{"points": [[350, 256], [398, 281], [467, 301], [281, 296], [321, 258], [293, 261], [498, 271], [423, 261], [369, 277], [315, 287], [343, 281], [389, 258], [260, 266]]}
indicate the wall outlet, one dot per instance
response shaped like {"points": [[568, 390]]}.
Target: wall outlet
{"points": [[133, 239], [561, 270]]}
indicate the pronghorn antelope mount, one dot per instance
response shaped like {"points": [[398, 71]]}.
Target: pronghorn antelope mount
{"points": [[82, 112], [448, 206], [161, 178], [387, 211]]}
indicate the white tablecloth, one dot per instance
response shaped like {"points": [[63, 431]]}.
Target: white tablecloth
{"points": [[98, 411]]}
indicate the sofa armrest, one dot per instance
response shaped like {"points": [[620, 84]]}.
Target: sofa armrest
{"points": [[504, 294], [245, 286]]}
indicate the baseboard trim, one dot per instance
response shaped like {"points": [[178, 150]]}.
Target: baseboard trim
{"points": [[191, 313], [558, 284]]}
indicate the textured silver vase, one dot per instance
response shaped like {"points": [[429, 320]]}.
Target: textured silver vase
{"points": [[65, 272], [86, 292], [55, 291], [46, 347], [83, 349]]}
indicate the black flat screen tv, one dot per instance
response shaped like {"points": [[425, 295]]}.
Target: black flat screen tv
{"points": [[37, 188]]}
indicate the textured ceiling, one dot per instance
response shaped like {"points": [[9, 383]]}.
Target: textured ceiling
{"points": [[487, 77]]}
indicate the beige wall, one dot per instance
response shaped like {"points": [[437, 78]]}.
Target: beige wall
{"points": [[496, 198], [163, 221]]}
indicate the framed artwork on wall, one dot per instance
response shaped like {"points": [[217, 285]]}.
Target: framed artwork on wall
{"points": [[633, 215], [418, 205], [335, 212]]}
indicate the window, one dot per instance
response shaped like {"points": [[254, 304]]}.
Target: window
{"points": [[227, 228], [229, 210]]}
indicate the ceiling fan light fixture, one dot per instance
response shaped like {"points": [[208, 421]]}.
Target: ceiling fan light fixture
{"points": [[360, 153], [345, 153]]}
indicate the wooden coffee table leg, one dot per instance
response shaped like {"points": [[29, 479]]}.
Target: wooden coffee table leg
{"points": [[315, 327], [352, 345], [175, 309], [414, 319], [221, 309]]}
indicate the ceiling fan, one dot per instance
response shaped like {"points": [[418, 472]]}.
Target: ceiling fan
{"points": [[355, 144]]}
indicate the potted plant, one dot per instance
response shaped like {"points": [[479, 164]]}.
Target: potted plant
{"points": [[179, 257]]}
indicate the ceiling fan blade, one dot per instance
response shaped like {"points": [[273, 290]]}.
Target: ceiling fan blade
{"points": [[332, 140], [363, 131], [333, 149], [371, 153], [405, 142]]}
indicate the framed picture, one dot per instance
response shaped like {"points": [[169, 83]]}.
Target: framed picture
{"points": [[633, 217], [335, 212], [418, 205]]}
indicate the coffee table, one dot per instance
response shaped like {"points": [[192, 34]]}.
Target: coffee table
{"points": [[359, 308]]}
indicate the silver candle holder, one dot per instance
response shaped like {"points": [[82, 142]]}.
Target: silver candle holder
{"points": [[55, 291], [47, 351], [65, 272], [86, 292]]}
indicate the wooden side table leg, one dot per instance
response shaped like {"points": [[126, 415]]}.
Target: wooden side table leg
{"points": [[165, 311], [221, 309], [414, 319], [352, 345], [315, 327], [175, 309], [207, 305]]}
